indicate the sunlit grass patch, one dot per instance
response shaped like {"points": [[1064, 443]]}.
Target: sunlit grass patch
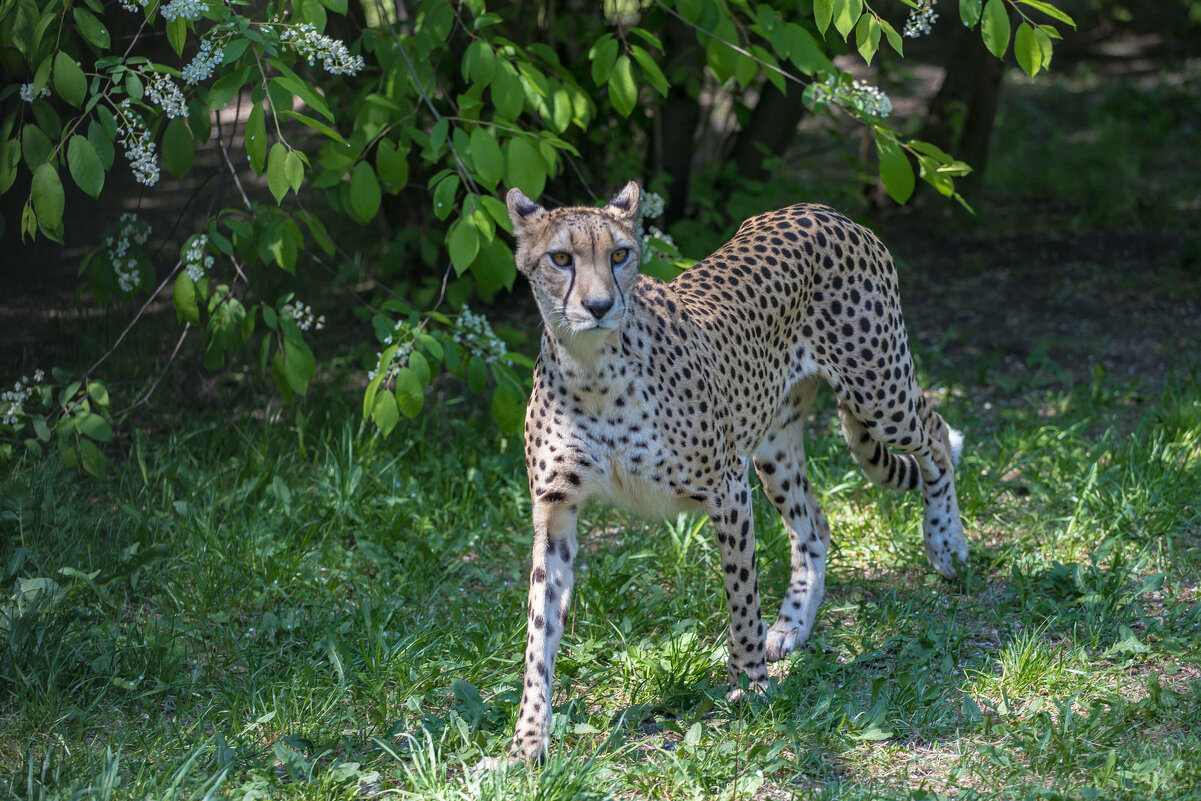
{"points": [[350, 622]]}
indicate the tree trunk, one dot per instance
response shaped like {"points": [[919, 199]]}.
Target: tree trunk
{"points": [[961, 116], [771, 129], [673, 131]]}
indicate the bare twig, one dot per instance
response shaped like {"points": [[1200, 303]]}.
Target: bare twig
{"points": [[135, 319], [462, 168], [182, 336], [736, 48]]}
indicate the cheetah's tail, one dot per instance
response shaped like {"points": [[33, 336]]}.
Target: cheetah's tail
{"points": [[956, 437], [883, 467], [898, 471]]}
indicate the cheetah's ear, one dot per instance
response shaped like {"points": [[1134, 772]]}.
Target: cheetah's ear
{"points": [[522, 210], [625, 203]]}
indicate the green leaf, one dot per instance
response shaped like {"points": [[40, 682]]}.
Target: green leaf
{"points": [[969, 12], [385, 414], [29, 222], [224, 90], [91, 459], [10, 160], [421, 368], [895, 169], [479, 63], [392, 164], [98, 392], [85, 165], [493, 268], [134, 87], [508, 95], [867, 37], [650, 69], [508, 407], [1050, 11], [277, 177], [101, 142], [256, 138], [278, 244], [183, 295], [177, 34], [433, 346], [444, 196], [47, 195], [994, 27], [294, 170], [96, 427], [1040, 37], [410, 395], [292, 82], [336, 6], [91, 29], [179, 149], [935, 152], [364, 192], [487, 157], [603, 55], [463, 243], [894, 38], [477, 374], [1027, 50], [931, 174], [69, 80], [525, 168], [299, 365], [315, 124], [623, 91], [36, 146], [823, 12], [846, 15]]}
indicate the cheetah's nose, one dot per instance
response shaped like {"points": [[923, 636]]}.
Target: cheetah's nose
{"points": [[599, 307]]}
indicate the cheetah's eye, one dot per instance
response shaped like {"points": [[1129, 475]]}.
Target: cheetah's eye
{"points": [[561, 258], [619, 256]]}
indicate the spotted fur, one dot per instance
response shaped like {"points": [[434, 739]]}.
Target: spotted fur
{"points": [[660, 396]]}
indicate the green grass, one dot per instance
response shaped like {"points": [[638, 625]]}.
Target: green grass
{"points": [[282, 608]]}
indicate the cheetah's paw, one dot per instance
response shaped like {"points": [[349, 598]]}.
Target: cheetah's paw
{"points": [[783, 640]]}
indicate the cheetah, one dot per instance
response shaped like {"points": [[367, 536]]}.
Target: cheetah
{"points": [[659, 396]]}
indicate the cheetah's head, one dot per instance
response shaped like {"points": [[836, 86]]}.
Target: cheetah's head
{"points": [[581, 261]]}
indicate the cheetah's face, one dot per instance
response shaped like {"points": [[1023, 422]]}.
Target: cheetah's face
{"points": [[581, 262]]}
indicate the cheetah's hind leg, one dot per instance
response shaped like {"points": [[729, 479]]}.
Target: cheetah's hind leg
{"points": [[927, 460], [780, 464]]}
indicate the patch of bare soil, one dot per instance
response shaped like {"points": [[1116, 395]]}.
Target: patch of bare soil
{"points": [[1017, 311]]}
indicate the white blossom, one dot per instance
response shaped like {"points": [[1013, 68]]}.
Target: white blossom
{"points": [[650, 206], [143, 159], [132, 230], [860, 95], [195, 260], [649, 251], [12, 401], [333, 54], [28, 95], [190, 10], [921, 19], [474, 332], [133, 5], [139, 145], [162, 90], [304, 316], [201, 67]]}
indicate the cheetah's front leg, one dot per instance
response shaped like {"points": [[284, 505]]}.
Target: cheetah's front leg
{"points": [[736, 539], [552, 576]]}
